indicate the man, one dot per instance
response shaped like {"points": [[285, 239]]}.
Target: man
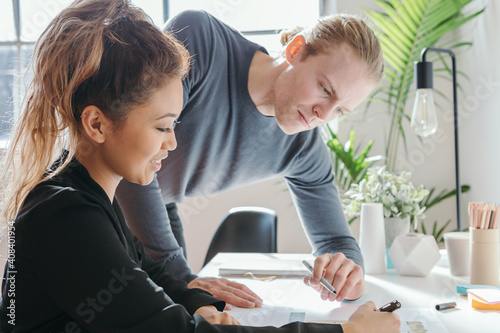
{"points": [[249, 117]]}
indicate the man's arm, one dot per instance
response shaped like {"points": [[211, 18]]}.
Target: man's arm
{"points": [[339, 258], [147, 218], [323, 220], [316, 198], [310, 180]]}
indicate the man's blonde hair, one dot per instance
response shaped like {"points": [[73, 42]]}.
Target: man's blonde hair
{"points": [[331, 32]]}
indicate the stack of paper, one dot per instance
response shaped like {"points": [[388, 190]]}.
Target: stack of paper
{"points": [[462, 289], [484, 299], [249, 268]]}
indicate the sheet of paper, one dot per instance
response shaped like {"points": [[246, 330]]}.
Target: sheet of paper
{"points": [[287, 300], [308, 309], [413, 320]]}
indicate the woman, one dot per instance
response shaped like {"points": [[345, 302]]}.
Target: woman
{"points": [[106, 93]]}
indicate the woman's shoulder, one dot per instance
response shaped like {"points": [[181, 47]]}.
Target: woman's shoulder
{"points": [[55, 200]]}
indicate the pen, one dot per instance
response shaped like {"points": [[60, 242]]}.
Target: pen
{"points": [[323, 281], [391, 306], [445, 306]]}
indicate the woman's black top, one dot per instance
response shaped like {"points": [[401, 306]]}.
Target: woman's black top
{"points": [[77, 268]]}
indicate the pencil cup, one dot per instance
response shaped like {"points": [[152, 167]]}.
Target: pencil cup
{"points": [[485, 256], [372, 238]]}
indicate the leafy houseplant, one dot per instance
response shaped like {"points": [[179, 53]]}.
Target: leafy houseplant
{"points": [[349, 164], [405, 28], [399, 197]]}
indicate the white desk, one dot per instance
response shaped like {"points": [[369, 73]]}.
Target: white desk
{"points": [[417, 294]]}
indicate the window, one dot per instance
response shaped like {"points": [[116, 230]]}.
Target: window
{"points": [[22, 22], [259, 20]]}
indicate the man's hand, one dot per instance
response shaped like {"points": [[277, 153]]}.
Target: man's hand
{"points": [[342, 273], [228, 291], [215, 317]]}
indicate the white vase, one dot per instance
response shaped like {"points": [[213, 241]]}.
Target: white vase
{"points": [[395, 226], [372, 238], [414, 254]]}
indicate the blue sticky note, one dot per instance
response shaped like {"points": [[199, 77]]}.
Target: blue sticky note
{"points": [[462, 289]]}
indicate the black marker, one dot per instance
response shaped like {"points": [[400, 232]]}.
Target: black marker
{"points": [[389, 307]]}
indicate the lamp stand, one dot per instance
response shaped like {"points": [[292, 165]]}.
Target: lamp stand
{"points": [[458, 191]]}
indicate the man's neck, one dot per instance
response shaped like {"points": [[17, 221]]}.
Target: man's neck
{"points": [[264, 70]]}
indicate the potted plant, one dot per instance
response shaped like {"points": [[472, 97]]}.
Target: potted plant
{"points": [[400, 198]]}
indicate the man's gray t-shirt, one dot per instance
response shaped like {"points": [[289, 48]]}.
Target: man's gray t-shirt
{"points": [[225, 142]]}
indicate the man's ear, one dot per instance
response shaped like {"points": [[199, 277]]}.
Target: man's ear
{"points": [[294, 47], [95, 123]]}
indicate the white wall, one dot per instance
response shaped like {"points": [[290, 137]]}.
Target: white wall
{"points": [[201, 216], [480, 107], [432, 162]]}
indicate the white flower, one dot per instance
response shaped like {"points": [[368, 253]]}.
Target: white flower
{"points": [[399, 197]]}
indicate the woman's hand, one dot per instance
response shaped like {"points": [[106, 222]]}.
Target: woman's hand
{"points": [[228, 291], [214, 317], [342, 273], [368, 319]]}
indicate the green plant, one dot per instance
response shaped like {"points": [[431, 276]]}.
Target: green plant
{"points": [[444, 194], [437, 233], [349, 165], [405, 28], [430, 201], [398, 195]]}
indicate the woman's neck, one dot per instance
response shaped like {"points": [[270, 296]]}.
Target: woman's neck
{"points": [[99, 173], [264, 70]]}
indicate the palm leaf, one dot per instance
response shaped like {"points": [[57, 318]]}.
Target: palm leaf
{"points": [[405, 27]]}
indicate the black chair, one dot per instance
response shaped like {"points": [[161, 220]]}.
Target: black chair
{"points": [[245, 229]]}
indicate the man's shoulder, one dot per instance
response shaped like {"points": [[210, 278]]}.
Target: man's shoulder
{"points": [[189, 19], [202, 28]]}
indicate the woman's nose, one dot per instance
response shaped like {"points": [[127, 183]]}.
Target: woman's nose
{"points": [[170, 142]]}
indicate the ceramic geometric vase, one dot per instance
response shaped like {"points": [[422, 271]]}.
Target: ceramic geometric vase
{"points": [[414, 254]]}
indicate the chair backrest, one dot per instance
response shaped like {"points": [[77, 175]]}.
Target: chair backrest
{"points": [[245, 229]]}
